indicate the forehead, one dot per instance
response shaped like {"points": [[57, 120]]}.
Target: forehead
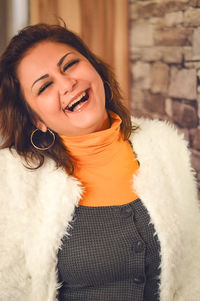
{"points": [[41, 57], [48, 50]]}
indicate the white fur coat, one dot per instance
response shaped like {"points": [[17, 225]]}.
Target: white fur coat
{"points": [[37, 206]]}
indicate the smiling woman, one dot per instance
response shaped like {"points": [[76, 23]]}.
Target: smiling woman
{"points": [[95, 205], [43, 98]]}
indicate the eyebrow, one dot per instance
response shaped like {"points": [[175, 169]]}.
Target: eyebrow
{"points": [[62, 59], [47, 75]]}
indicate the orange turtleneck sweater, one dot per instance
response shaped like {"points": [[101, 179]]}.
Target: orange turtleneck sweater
{"points": [[105, 164]]}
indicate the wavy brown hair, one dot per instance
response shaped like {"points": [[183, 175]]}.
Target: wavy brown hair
{"points": [[17, 119]]}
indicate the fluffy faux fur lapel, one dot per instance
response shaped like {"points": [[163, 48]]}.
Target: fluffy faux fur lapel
{"points": [[166, 185], [57, 196], [44, 201]]}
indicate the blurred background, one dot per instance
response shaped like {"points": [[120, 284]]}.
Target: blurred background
{"points": [[153, 47]]}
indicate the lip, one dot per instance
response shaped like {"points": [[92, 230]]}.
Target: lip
{"points": [[66, 111]]}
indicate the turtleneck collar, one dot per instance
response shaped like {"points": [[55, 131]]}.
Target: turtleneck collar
{"points": [[104, 163], [95, 147]]}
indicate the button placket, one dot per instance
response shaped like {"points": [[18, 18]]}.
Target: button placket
{"points": [[138, 253], [128, 214]]}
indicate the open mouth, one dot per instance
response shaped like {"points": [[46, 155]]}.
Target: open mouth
{"points": [[77, 103]]}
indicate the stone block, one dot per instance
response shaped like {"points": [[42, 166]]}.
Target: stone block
{"points": [[172, 55], [174, 18], [137, 97], [195, 159], [141, 114], [168, 107], [192, 17], [198, 105], [157, 22], [192, 64], [169, 55], [180, 1], [196, 44], [164, 117], [196, 139], [175, 5], [174, 37], [183, 83], [159, 76], [195, 3], [192, 134], [185, 133], [141, 75], [154, 103], [142, 9], [187, 53], [151, 54], [136, 53], [142, 35], [185, 115], [133, 13]]}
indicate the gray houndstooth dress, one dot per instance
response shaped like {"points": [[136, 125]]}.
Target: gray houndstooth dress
{"points": [[112, 254]]}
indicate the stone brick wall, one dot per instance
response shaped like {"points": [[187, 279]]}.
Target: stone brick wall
{"points": [[165, 65]]}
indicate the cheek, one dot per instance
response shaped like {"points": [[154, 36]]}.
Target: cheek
{"points": [[89, 72], [48, 103], [48, 107], [101, 90], [96, 78], [97, 84]]}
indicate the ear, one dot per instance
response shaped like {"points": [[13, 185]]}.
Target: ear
{"points": [[41, 126]]}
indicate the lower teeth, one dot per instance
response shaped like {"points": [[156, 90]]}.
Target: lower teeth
{"points": [[78, 106]]}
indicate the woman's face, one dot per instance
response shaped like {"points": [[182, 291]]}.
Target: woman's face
{"points": [[64, 89]]}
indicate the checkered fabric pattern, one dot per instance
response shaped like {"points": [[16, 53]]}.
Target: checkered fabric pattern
{"points": [[112, 254]]}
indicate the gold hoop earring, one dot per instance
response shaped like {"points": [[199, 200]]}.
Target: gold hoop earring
{"points": [[110, 89], [42, 148]]}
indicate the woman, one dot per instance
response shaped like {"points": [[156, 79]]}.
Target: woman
{"points": [[94, 206]]}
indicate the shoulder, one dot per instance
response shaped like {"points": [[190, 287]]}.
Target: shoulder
{"points": [[156, 128], [15, 171], [161, 135], [9, 158], [161, 142], [22, 185], [6, 153]]}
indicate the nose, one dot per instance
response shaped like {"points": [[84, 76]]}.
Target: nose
{"points": [[66, 84]]}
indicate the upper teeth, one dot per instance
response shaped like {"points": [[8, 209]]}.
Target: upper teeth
{"points": [[76, 100]]}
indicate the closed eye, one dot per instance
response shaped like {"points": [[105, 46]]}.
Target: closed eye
{"points": [[67, 66], [44, 87]]}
